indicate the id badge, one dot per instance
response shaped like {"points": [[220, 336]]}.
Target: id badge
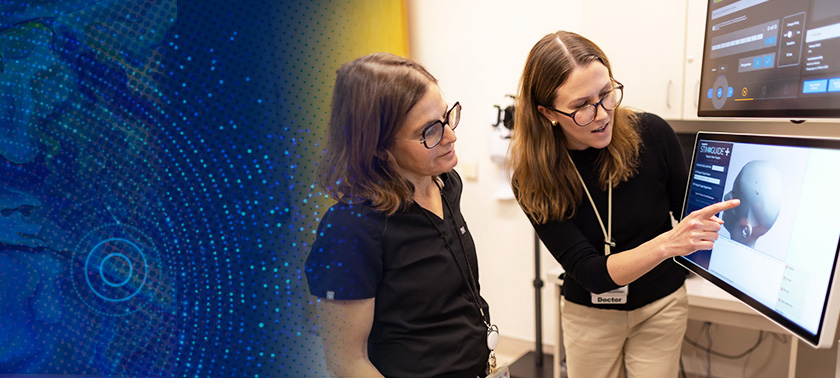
{"points": [[617, 296], [500, 372]]}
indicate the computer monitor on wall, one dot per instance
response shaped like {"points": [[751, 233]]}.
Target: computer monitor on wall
{"points": [[778, 250], [771, 59]]}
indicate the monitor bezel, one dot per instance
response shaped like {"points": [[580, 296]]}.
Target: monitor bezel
{"points": [[824, 337], [781, 113]]}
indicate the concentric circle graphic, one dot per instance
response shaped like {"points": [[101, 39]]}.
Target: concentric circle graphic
{"points": [[102, 269], [117, 270]]}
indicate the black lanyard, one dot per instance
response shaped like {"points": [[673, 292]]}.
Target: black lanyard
{"points": [[471, 282]]}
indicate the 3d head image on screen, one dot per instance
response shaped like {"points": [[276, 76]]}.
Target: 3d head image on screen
{"points": [[759, 187], [768, 181]]}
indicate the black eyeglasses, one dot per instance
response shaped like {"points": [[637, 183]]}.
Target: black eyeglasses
{"points": [[586, 114], [433, 134]]}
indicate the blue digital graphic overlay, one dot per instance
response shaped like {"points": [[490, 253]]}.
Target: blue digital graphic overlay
{"points": [[155, 166]]}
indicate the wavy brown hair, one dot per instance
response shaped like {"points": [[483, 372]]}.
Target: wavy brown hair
{"points": [[544, 179], [371, 99]]}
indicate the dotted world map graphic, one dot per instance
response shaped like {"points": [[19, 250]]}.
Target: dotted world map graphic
{"points": [[156, 197]]}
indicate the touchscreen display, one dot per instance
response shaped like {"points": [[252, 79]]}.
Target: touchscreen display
{"points": [[777, 251]]}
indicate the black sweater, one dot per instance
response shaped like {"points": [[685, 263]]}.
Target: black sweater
{"points": [[640, 212]]}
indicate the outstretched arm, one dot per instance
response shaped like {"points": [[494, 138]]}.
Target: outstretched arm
{"points": [[698, 231]]}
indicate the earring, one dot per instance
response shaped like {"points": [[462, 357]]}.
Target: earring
{"points": [[553, 123]]}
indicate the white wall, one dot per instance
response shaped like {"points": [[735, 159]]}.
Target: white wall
{"points": [[477, 49]]}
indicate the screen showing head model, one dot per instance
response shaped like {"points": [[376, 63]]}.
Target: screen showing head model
{"points": [[767, 58], [778, 250]]}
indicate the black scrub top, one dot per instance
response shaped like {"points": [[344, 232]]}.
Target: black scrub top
{"points": [[426, 322]]}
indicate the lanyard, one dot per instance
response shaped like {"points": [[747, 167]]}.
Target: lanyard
{"points": [[608, 240], [471, 282]]}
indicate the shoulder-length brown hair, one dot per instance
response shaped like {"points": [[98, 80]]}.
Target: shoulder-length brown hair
{"points": [[544, 178], [371, 99]]}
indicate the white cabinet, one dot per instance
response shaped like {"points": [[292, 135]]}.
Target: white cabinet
{"points": [[655, 48]]}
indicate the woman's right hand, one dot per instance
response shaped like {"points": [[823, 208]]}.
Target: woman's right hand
{"points": [[697, 231]]}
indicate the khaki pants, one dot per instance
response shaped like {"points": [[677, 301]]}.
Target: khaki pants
{"points": [[646, 341]]}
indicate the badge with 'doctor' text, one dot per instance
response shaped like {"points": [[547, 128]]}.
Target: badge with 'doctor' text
{"points": [[616, 296]]}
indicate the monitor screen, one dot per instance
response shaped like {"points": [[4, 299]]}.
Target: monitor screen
{"points": [[773, 59], [778, 250]]}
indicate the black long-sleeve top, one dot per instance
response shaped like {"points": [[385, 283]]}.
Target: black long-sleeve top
{"points": [[640, 212]]}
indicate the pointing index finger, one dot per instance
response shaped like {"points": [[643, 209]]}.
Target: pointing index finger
{"points": [[711, 210]]}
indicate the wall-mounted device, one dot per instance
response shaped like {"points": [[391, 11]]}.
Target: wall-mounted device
{"points": [[499, 146], [771, 59]]}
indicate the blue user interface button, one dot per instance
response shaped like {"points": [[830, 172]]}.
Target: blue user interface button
{"points": [[768, 60], [815, 86], [834, 84]]}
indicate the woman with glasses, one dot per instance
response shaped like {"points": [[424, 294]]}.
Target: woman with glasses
{"points": [[393, 266], [598, 182]]}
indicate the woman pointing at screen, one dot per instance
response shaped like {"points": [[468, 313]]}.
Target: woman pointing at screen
{"points": [[598, 182]]}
